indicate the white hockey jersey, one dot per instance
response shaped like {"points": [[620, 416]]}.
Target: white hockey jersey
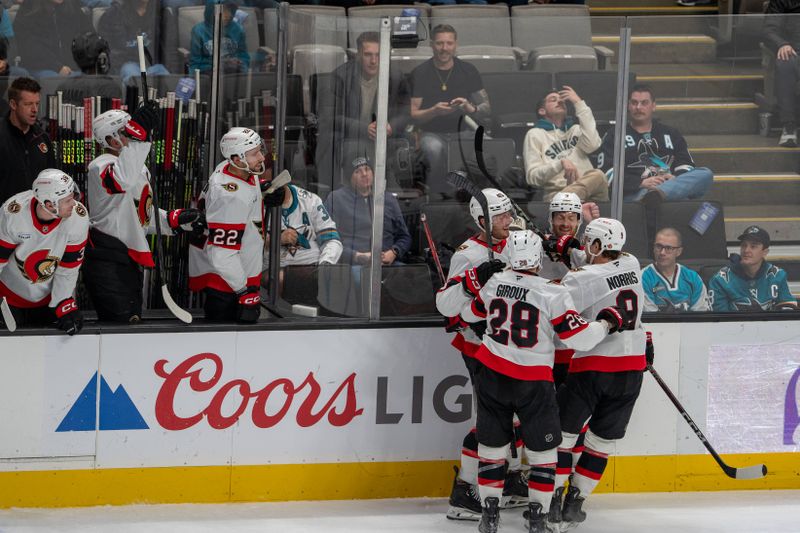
{"points": [[451, 299], [594, 287], [555, 270], [317, 237], [121, 200], [230, 258], [525, 313], [39, 262]]}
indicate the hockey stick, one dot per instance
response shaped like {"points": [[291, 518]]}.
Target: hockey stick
{"points": [[434, 253], [748, 472], [8, 316], [284, 178], [459, 180], [180, 314]]}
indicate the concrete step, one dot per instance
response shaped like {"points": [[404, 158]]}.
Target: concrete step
{"points": [[610, 24], [755, 189], [743, 154], [665, 48], [704, 85], [781, 221], [710, 118]]}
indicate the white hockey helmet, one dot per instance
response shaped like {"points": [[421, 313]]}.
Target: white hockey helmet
{"points": [[237, 142], [610, 233], [109, 124], [53, 185], [568, 202], [524, 250], [497, 201]]}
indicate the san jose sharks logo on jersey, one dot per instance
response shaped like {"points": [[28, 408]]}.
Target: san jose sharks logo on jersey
{"points": [[649, 160]]}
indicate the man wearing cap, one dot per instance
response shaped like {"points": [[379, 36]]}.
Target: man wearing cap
{"points": [[351, 207], [750, 283]]}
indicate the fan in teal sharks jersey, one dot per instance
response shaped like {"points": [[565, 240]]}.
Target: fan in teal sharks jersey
{"points": [[750, 283], [669, 286]]}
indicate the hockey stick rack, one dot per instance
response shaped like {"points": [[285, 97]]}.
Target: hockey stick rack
{"points": [[748, 472], [460, 181], [180, 313]]}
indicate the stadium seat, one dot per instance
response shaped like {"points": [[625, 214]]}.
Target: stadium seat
{"points": [[450, 223], [405, 60], [484, 35], [407, 290], [513, 97], [498, 154], [367, 18], [710, 245], [598, 88], [557, 37]]}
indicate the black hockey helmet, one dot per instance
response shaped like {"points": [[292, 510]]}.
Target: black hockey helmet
{"points": [[89, 50]]}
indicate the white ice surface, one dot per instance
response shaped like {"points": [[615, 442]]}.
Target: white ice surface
{"points": [[729, 512]]}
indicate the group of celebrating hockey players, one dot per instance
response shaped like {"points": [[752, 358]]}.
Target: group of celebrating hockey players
{"points": [[46, 232], [550, 331]]}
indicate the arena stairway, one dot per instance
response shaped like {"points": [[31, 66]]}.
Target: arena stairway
{"points": [[705, 87]]}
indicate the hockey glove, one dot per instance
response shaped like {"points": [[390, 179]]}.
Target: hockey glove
{"points": [[143, 121], [618, 319], [248, 306], [560, 247], [649, 352], [190, 220], [478, 328], [454, 324], [69, 317], [475, 278]]}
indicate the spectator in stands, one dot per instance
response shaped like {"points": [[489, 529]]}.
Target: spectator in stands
{"points": [[91, 53], [782, 37], [7, 72], [25, 149], [234, 56], [557, 149], [750, 283], [348, 107], [121, 24], [6, 28], [351, 207], [658, 165], [444, 89], [668, 286], [44, 30]]}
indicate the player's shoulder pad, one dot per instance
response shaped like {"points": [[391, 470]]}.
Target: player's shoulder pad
{"points": [[462, 247], [13, 206], [80, 210], [229, 186]]}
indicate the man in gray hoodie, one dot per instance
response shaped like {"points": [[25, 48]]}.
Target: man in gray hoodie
{"points": [[557, 149]]}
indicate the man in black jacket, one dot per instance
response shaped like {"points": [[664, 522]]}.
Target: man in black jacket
{"points": [[658, 165], [348, 108], [25, 149], [782, 37]]}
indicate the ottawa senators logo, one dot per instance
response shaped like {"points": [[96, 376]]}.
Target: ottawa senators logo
{"points": [[14, 207], [38, 267], [80, 210], [43, 147], [230, 187], [144, 206]]}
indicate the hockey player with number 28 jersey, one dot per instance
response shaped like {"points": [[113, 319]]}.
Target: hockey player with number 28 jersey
{"points": [[227, 264], [42, 237]]}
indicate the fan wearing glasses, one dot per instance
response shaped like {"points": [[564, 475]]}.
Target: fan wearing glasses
{"points": [[669, 286]]}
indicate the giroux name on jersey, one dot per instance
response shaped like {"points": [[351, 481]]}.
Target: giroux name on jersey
{"points": [[619, 280], [510, 291]]}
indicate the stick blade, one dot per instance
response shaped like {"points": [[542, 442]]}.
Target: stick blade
{"points": [[180, 313], [751, 472], [459, 180], [8, 316], [284, 178]]}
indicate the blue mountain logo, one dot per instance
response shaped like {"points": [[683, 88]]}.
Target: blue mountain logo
{"points": [[117, 411]]}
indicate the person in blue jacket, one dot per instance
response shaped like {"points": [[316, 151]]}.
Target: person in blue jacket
{"points": [[668, 286], [234, 55], [751, 283], [351, 207]]}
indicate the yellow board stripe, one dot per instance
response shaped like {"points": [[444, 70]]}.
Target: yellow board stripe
{"points": [[346, 481]]}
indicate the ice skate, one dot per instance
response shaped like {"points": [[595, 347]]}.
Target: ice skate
{"points": [[465, 503], [537, 519], [515, 489], [554, 516], [490, 518], [571, 513]]}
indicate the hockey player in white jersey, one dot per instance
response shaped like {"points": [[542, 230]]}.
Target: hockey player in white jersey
{"points": [[526, 314], [43, 234], [469, 270], [308, 233], [227, 264], [120, 201], [603, 382]]}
